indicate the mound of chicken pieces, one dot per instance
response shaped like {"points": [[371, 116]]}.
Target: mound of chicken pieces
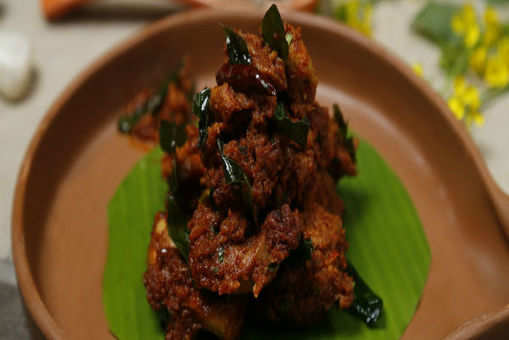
{"points": [[288, 262]]}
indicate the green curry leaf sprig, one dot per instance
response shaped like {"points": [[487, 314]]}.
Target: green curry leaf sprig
{"points": [[236, 48], [295, 130], [152, 105], [201, 109], [172, 136], [366, 305], [273, 31], [344, 133], [234, 175]]}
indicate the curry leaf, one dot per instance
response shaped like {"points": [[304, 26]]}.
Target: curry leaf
{"points": [[177, 225], [366, 305], [434, 21], [273, 30], [236, 47], [171, 135], [245, 78], [234, 174], [155, 102], [295, 130], [201, 109], [343, 129], [232, 171], [152, 105], [126, 123]]}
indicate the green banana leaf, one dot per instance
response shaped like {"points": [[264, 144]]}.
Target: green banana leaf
{"points": [[388, 248]]}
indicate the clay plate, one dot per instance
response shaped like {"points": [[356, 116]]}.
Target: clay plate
{"points": [[76, 160]]}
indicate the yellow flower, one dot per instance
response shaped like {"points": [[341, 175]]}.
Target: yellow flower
{"points": [[352, 10], [358, 16], [490, 16], [497, 72], [471, 98], [492, 26], [460, 86], [503, 49], [465, 25], [478, 118], [367, 14], [457, 107], [465, 102], [417, 68], [457, 24], [468, 14], [478, 59], [472, 35]]}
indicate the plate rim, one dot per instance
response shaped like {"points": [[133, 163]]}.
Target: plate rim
{"points": [[31, 297]]}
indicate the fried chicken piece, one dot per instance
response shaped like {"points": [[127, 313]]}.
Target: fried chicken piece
{"points": [[306, 288], [170, 286], [224, 260], [302, 80]]}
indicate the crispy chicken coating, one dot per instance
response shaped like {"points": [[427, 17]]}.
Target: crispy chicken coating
{"points": [[307, 288], [170, 288], [250, 246]]}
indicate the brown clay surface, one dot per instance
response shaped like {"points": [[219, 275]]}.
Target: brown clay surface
{"points": [[76, 160]]}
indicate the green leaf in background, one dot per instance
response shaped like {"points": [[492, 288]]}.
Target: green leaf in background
{"points": [[434, 21], [130, 216], [387, 247], [454, 59], [497, 2]]}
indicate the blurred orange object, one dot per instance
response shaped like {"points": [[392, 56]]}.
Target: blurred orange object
{"points": [[54, 9], [301, 5]]}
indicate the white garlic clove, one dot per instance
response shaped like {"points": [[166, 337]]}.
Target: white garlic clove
{"points": [[15, 65]]}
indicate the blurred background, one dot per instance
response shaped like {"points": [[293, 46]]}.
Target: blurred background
{"points": [[461, 48]]}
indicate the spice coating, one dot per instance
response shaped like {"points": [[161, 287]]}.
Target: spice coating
{"points": [[265, 228]]}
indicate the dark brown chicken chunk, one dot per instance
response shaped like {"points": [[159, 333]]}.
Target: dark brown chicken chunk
{"points": [[307, 288], [224, 260], [170, 286]]}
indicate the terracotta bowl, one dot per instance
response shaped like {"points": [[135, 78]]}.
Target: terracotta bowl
{"points": [[76, 160]]}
